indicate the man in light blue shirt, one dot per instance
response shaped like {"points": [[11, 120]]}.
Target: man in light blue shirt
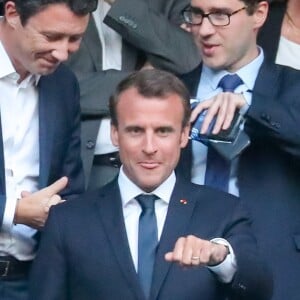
{"points": [[263, 162]]}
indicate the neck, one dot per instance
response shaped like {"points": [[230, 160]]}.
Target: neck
{"points": [[293, 12]]}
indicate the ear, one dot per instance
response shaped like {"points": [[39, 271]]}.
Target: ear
{"points": [[114, 135], [260, 14], [11, 15], [185, 136]]}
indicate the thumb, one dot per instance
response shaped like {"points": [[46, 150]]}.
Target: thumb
{"points": [[25, 194], [169, 256]]}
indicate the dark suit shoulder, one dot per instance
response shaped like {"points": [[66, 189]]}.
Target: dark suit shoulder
{"points": [[203, 194], [62, 75], [88, 199]]}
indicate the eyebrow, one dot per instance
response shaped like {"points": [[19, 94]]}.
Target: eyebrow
{"points": [[198, 10]]}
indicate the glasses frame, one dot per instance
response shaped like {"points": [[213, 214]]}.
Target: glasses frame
{"points": [[203, 15]]}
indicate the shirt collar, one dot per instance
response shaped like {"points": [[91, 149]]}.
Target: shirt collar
{"points": [[248, 73], [130, 190], [7, 69]]}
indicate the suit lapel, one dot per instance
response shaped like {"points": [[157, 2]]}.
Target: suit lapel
{"points": [[92, 41], [267, 76], [47, 107], [110, 209], [180, 208]]}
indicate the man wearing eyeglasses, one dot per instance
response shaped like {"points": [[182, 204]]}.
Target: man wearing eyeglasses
{"points": [[261, 163]]}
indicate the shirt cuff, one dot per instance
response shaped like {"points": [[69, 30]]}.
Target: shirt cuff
{"points": [[227, 268], [9, 213], [248, 98]]}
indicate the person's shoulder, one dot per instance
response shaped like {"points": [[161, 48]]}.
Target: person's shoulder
{"points": [[62, 74], [203, 193], [64, 71], [88, 199], [270, 68]]}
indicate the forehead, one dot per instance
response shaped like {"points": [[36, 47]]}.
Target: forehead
{"points": [[59, 17], [209, 4], [132, 105]]}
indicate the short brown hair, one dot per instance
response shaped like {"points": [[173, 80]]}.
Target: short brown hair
{"points": [[152, 83]]}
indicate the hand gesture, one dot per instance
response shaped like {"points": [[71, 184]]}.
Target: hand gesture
{"points": [[222, 107], [193, 251], [32, 208]]}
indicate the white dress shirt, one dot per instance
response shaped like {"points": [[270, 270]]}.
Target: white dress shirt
{"points": [[19, 119], [208, 88], [111, 43], [288, 53], [132, 210]]}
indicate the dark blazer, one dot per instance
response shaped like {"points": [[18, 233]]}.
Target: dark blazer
{"points": [[84, 252], [269, 171], [59, 134], [269, 34], [150, 31]]}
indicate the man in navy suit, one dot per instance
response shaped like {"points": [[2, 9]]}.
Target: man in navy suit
{"points": [[266, 174], [94, 247], [40, 124]]}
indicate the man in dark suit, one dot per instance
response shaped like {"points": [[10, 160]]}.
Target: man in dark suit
{"points": [[123, 36], [40, 126], [266, 175], [102, 248]]}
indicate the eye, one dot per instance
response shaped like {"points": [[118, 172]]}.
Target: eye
{"points": [[219, 16], [134, 131], [164, 131], [75, 38]]}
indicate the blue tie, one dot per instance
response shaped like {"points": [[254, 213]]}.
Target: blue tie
{"points": [[147, 241], [217, 168]]}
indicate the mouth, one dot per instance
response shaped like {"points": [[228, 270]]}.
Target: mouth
{"points": [[48, 62], [209, 49], [149, 165]]}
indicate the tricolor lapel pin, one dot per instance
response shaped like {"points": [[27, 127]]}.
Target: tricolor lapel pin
{"points": [[183, 201]]}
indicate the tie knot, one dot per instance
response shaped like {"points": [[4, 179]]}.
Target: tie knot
{"points": [[230, 82], [146, 201]]}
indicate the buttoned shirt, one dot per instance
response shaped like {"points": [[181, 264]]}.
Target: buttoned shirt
{"points": [[132, 210], [19, 120], [111, 44], [208, 88]]}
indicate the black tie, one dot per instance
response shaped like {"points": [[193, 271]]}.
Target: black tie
{"points": [[217, 168], [147, 241]]}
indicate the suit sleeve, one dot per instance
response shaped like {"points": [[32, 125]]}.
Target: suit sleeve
{"points": [[273, 117], [156, 33], [253, 279]]}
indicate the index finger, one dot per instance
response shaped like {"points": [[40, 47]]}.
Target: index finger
{"points": [[55, 187]]}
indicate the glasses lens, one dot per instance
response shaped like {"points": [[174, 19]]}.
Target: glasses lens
{"points": [[192, 18], [218, 19]]}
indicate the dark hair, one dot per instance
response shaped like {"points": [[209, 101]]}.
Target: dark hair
{"points": [[152, 83], [251, 5], [28, 8]]}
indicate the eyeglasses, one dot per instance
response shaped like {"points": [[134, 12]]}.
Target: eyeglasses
{"points": [[195, 17]]}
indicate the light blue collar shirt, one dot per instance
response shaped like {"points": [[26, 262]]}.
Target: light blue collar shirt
{"points": [[208, 88]]}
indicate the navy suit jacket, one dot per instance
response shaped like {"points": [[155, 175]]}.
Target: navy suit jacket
{"points": [[269, 171], [269, 35], [59, 134], [84, 251]]}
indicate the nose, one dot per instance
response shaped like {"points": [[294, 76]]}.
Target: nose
{"points": [[61, 51], [206, 28], [64, 48], [149, 145]]}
